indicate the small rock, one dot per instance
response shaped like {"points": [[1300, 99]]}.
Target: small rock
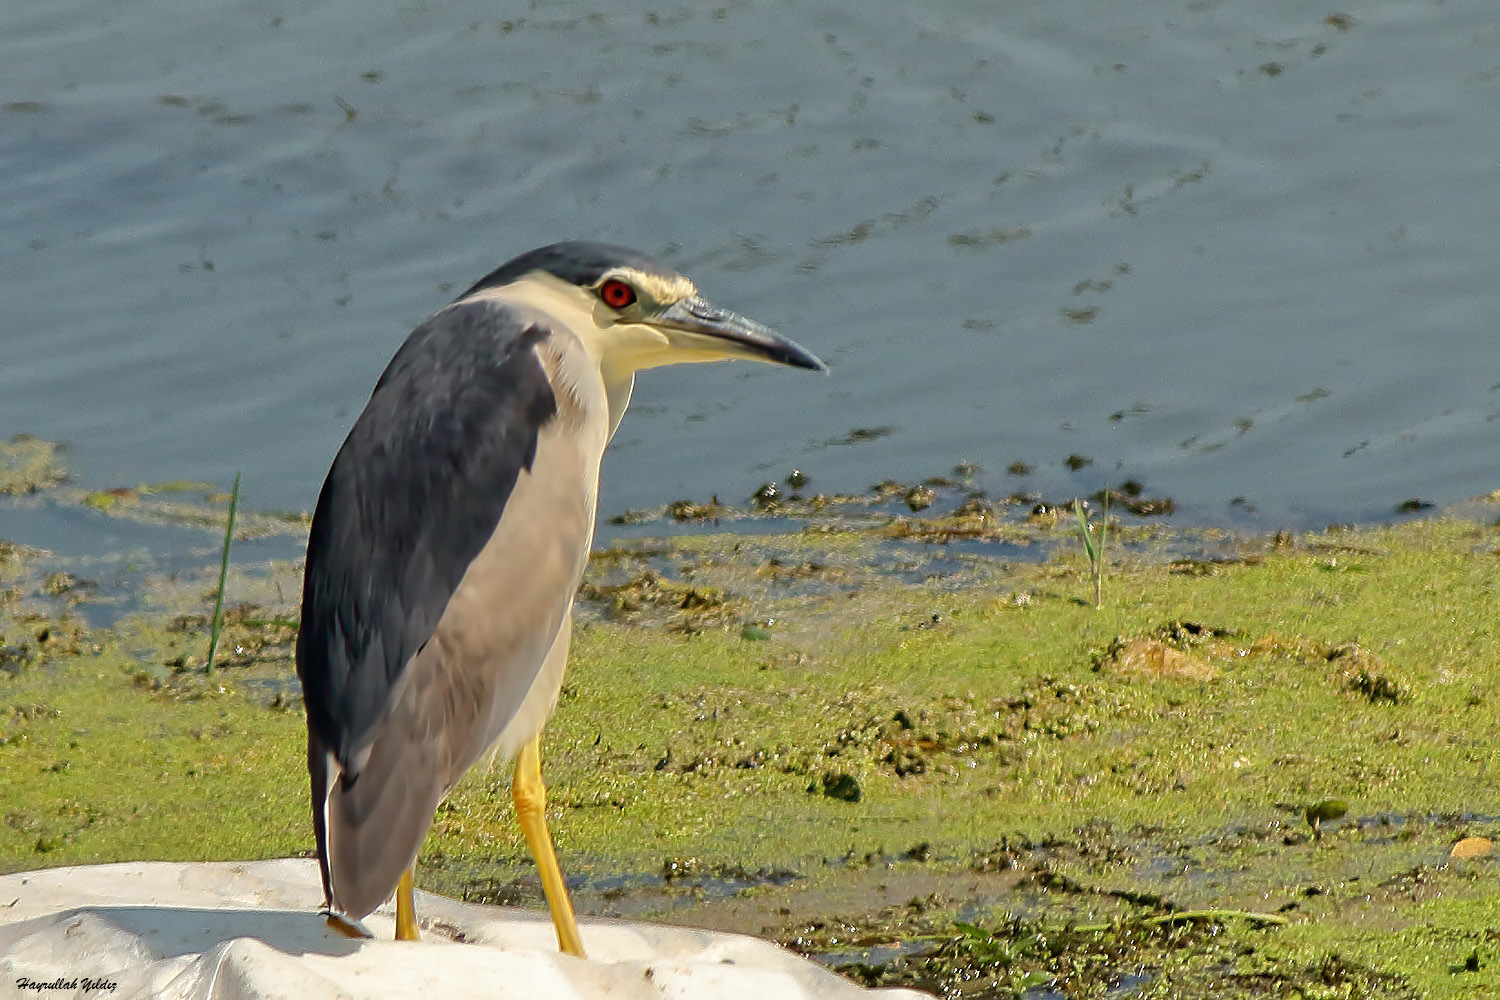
{"points": [[1472, 847]]}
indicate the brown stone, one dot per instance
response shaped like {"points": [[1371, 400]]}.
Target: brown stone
{"points": [[1472, 847]]}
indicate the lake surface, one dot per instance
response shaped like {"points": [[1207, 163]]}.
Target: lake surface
{"points": [[1245, 254]]}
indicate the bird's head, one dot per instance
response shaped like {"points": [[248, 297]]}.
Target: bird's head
{"points": [[634, 312]]}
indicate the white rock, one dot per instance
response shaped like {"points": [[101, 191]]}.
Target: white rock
{"points": [[251, 931]]}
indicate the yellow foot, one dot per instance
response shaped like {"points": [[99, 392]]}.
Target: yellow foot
{"points": [[345, 926]]}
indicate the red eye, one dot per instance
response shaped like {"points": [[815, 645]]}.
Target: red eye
{"points": [[616, 294]]}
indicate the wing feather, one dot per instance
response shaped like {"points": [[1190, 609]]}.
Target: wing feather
{"points": [[413, 495]]}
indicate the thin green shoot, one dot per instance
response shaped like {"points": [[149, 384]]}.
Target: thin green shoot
{"points": [[216, 624], [1095, 536]]}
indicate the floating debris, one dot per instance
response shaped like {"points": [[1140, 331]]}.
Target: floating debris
{"points": [[1075, 462], [28, 464], [920, 497], [860, 435]]}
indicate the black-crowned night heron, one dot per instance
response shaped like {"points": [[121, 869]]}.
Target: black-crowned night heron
{"points": [[450, 538]]}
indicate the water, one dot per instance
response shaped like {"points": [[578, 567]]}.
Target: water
{"points": [[1238, 252]]}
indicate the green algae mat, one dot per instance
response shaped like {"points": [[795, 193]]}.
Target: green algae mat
{"points": [[911, 749]]}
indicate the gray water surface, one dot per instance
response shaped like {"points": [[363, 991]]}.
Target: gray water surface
{"points": [[1244, 253]]}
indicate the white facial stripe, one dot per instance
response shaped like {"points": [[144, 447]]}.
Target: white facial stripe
{"points": [[654, 287]]}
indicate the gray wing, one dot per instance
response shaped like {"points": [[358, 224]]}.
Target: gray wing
{"points": [[412, 497]]}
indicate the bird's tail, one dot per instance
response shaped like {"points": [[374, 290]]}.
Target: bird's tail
{"points": [[370, 826]]}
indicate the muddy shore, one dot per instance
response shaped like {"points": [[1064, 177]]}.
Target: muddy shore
{"points": [[892, 732]]}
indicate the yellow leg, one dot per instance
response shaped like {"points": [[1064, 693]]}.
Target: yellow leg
{"points": [[531, 806], [406, 908]]}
